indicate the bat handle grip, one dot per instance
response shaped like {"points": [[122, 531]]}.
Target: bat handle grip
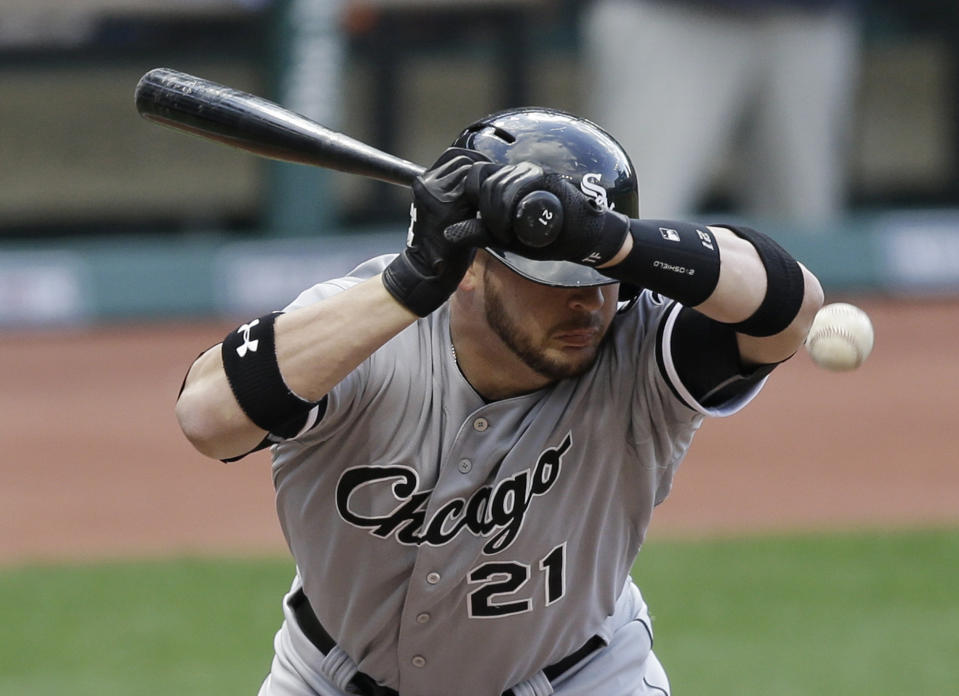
{"points": [[538, 219]]}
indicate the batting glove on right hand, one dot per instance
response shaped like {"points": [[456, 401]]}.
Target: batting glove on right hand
{"points": [[428, 270], [590, 234]]}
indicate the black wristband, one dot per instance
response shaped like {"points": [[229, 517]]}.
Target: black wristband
{"points": [[249, 360], [785, 287], [420, 293], [409, 287], [677, 259]]}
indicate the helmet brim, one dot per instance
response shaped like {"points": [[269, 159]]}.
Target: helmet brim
{"points": [[557, 274]]}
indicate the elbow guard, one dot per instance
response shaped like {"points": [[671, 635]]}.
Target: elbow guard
{"points": [[785, 287], [249, 361]]}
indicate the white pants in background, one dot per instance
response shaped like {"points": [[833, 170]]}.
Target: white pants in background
{"points": [[674, 82]]}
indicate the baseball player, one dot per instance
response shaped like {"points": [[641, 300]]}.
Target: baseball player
{"points": [[469, 437]]}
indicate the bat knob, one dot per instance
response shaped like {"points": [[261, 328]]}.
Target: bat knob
{"points": [[538, 219]]}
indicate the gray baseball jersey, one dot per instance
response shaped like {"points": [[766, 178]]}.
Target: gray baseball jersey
{"points": [[443, 540]]}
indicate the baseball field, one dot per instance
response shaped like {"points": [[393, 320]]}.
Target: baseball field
{"points": [[810, 546]]}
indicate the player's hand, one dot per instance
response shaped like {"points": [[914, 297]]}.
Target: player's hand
{"points": [[428, 270], [590, 234]]}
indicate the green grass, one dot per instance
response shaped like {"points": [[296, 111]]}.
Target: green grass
{"points": [[849, 615], [138, 629]]}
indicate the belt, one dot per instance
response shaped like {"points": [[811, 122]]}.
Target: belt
{"points": [[367, 686]]}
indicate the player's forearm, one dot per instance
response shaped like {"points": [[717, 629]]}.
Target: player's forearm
{"points": [[736, 276], [740, 291], [770, 299], [735, 292], [315, 347]]}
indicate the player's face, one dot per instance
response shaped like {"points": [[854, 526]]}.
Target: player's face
{"points": [[555, 331]]}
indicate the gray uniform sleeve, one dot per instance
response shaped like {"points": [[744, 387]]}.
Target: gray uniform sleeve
{"points": [[666, 410]]}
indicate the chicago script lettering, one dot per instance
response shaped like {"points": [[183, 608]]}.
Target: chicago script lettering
{"points": [[495, 511]]}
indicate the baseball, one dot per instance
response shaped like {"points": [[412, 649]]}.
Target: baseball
{"points": [[840, 338]]}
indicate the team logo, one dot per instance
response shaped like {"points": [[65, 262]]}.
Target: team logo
{"points": [[495, 511], [247, 345], [591, 187]]}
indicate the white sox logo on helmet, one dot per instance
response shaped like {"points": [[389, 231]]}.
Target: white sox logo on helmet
{"points": [[591, 187], [492, 510]]}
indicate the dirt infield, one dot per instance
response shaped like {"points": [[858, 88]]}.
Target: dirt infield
{"points": [[95, 466]]}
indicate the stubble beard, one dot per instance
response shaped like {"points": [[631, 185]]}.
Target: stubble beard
{"points": [[522, 345]]}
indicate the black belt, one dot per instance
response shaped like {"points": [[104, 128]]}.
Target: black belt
{"points": [[367, 686]]}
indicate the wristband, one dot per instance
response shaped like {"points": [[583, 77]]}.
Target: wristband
{"points": [[677, 259], [785, 287], [421, 293], [249, 360]]}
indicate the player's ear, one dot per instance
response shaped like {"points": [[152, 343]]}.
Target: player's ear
{"points": [[474, 272]]}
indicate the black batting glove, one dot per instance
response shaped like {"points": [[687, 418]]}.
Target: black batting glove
{"points": [[428, 270], [591, 234]]}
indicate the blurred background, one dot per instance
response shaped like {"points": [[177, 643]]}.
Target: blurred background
{"points": [[825, 517], [92, 197]]}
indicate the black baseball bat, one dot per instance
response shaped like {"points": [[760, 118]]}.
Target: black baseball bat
{"points": [[264, 128], [242, 120]]}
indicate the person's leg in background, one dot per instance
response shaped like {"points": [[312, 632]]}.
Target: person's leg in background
{"points": [[669, 81], [804, 113]]}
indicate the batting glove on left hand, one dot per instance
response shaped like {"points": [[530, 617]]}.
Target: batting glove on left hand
{"points": [[428, 270]]}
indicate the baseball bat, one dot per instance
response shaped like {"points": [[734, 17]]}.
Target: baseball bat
{"points": [[242, 120], [216, 112]]}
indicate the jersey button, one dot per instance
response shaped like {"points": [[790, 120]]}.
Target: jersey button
{"points": [[433, 578], [464, 466], [423, 618], [480, 424], [419, 661]]}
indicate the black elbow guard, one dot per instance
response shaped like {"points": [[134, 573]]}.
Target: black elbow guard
{"points": [[785, 287], [677, 259], [249, 361]]}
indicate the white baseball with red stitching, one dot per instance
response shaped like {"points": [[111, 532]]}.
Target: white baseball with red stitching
{"points": [[841, 337]]}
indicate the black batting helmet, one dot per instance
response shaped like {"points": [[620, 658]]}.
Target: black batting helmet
{"points": [[561, 144]]}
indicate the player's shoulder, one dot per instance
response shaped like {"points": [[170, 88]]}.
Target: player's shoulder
{"points": [[636, 330], [643, 311], [369, 268]]}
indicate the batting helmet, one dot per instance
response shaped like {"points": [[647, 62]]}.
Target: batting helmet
{"points": [[561, 144]]}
